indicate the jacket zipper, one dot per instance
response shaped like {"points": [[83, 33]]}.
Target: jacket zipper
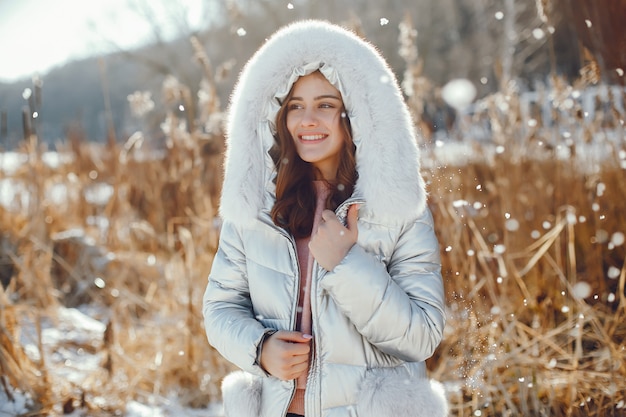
{"points": [[314, 400], [315, 368], [294, 309]]}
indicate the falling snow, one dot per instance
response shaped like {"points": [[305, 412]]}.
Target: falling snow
{"points": [[459, 93]]}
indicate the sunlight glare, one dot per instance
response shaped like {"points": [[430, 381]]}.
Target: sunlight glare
{"points": [[65, 30]]}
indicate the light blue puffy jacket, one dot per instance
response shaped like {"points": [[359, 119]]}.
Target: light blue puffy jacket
{"points": [[380, 313]]}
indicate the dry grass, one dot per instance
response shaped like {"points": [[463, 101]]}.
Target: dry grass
{"points": [[532, 229], [535, 326], [139, 258], [535, 282], [146, 271]]}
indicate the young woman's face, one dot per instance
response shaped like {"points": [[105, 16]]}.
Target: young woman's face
{"points": [[314, 120]]}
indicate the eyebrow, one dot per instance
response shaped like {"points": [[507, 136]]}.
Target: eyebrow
{"points": [[323, 96]]}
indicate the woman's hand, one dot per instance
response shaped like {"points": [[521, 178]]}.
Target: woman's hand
{"points": [[332, 241], [285, 355]]}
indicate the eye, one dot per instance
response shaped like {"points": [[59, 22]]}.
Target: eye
{"points": [[326, 106], [294, 106]]}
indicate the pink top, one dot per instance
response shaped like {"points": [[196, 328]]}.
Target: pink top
{"points": [[304, 319]]}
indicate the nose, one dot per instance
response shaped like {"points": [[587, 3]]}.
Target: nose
{"points": [[308, 118]]}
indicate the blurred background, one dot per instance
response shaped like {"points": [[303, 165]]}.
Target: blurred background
{"points": [[84, 58]]}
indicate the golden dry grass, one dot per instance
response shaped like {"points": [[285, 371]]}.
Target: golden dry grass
{"points": [[145, 270], [536, 326]]}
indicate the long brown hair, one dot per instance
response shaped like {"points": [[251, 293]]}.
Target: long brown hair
{"points": [[295, 193]]}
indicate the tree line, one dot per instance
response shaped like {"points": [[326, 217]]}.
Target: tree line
{"points": [[485, 41]]}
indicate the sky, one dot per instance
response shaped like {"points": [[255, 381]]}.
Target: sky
{"points": [[37, 35]]}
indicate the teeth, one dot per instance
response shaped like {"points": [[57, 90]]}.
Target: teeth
{"points": [[312, 137]]}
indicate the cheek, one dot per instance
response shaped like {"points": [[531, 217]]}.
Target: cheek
{"points": [[291, 124], [336, 124], [337, 120]]}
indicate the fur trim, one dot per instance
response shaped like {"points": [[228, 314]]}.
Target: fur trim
{"points": [[241, 394], [381, 395], [384, 395], [387, 153]]}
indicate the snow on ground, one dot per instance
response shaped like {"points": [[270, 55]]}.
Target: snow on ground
{"points": [[66, 341], [15, 406], [18, 406]]}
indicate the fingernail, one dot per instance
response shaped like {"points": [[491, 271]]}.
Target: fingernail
{"points": [[307, 336]]}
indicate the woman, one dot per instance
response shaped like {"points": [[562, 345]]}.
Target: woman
{"points": [[326, 289]]}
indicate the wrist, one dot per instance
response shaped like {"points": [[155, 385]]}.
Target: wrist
{"points": [[259, 350]]}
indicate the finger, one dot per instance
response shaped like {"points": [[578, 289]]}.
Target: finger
{"points": [[298, 349], [294, 337], [328, 215], [293, 371], [294, 348], [296, 371], [293, 344], [298, 363], [297, 360], [293, 366], [353, 216]]}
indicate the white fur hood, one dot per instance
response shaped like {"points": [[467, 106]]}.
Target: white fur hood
{"points": [[383, 132]]}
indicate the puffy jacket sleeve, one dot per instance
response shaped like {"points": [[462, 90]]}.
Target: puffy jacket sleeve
{"points": [[398, 306], [229, 320]]}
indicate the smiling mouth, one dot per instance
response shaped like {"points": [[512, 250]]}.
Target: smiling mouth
{"points": [[312, 137]]}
